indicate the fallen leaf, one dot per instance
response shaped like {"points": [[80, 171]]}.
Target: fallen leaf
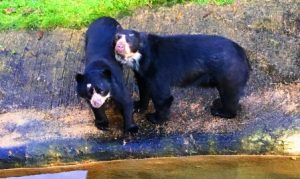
{"points": [[40, 34], [9, 10], [207, 14], [179, 16]]}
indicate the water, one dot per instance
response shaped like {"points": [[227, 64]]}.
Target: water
{"points": [[224, 167], [77, 174]]}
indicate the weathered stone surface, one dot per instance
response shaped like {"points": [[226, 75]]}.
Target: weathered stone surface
{"points": [[42, 121], [269, 30]]}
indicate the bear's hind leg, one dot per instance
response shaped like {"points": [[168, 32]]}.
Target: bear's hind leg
{"points": [[141, 105], [162, 100], [226, 106], [162, 111]]}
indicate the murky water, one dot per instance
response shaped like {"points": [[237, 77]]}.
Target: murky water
{"points": [[181, 167]]}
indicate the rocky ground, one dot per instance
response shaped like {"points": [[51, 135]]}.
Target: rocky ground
{"points": [[42, 119]]}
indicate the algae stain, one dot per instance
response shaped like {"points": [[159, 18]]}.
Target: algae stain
{"points": [[168, 148], [2, 65], [83, 150], [274, 42], [212, 150], [258, 142], [268, 24], [4, 68], [280, 141], [54, 154]]}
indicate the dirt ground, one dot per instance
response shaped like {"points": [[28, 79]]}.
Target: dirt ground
{"points": [[38, 102]]}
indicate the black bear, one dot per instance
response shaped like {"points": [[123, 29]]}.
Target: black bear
{"points": [[161, 61], [103, 76]]}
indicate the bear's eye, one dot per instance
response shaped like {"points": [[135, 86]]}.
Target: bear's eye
{"points": [[103, 93], [90, 91], [118, 36]]}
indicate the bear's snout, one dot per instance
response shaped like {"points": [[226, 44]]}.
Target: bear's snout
{"points": [[96, 100], [120, 48]]}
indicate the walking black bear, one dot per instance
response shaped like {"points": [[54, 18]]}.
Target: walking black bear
{"points": [[103, 77], [183, 60]]}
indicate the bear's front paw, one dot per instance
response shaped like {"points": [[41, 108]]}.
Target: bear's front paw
{"points": [[101, 125], [221, 113], [154, 119], [133, 128], [138, 107], [217, 104]]}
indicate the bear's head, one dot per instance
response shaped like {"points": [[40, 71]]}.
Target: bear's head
{"points": [[94, 86], [127, 45]]}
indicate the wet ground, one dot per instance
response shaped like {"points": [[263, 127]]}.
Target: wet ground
{"points": [[181, 167], [43, 121]]}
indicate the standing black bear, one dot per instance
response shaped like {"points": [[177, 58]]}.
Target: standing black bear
{"points": [[103, 77], [183, 60]]}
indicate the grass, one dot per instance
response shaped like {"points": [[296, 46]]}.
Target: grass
{"points": [[32, 14]]}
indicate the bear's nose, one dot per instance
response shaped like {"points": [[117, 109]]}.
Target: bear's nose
{"points": [[119, 48], [96, 104], [96, 100]]}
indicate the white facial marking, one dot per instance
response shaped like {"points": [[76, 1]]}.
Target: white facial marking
{"points": [[122, 38], [98, 100], [123, 41], [127, 57], [132, 61], [89, 85]]}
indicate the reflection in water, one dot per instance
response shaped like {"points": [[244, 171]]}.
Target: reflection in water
{"points": [[68, 175], [182, 167]]}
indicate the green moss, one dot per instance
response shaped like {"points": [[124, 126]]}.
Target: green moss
{"points": [[20, 14], [259, 142], [280, 141], [2, 65], [267, 24], [4, 68], [169, 148], [212, 146]]}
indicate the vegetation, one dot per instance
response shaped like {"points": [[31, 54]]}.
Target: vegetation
{"points": [[20, 14]]}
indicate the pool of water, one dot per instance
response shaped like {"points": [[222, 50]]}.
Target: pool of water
{"points": [[180, 167]]}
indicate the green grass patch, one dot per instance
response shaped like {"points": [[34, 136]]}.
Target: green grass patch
{"points": [[32, 14]]}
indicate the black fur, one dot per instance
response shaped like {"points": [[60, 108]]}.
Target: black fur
{"points": [[104, 73], [187, 60]]}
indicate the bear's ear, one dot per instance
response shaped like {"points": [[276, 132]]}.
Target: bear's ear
{"points": [[119, 28], [107, 73], [79, 77]]}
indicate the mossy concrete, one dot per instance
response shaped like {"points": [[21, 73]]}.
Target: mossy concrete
{"points": [[44, 122]]}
